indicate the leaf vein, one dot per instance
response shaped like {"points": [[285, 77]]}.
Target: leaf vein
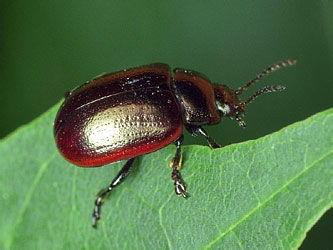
{"points": [[234, 225], [28, 198], [161, 222]]}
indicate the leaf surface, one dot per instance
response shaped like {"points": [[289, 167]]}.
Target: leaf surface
{"points": [[265, 193]]}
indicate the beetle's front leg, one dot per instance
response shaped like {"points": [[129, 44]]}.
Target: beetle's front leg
{"points": [[198, 130], [176, 163]]}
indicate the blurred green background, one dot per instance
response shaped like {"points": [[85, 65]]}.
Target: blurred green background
{"points": [[49, 47]]}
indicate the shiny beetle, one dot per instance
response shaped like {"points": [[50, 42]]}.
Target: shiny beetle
{"points": [[136, 111]]}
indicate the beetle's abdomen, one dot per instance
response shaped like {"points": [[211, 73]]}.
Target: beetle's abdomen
{"points": [[120, 125]]}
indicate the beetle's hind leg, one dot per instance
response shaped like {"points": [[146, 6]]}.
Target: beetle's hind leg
{"points": [[180, 188], [102, 195]]}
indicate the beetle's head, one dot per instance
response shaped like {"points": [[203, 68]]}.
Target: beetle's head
{"points": [[228, 103]]}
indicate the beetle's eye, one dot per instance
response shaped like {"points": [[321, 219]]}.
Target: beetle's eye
{"points": [[223, 108]]}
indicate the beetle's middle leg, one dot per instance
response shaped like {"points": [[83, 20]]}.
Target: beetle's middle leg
{"points": [[180, 188]]}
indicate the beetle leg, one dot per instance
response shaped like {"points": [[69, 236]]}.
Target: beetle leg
{"points": [[198, 130], [210, 140], [102, 195], [180, 188]]}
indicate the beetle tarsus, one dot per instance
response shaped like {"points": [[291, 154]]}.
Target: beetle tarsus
{"points": [[176, 162], [96, 215], [94, 219]]}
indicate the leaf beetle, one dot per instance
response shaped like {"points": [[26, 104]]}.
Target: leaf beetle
{"points": [[133, 112]]}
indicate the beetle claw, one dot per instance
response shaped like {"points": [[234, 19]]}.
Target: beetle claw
{"points": [[94, 220], [96, 215], [180, 187]]}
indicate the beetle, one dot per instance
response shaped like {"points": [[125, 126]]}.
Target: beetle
{"points": [[122, 115]]}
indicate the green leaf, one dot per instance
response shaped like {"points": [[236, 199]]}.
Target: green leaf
{"points": [[265, 193]]}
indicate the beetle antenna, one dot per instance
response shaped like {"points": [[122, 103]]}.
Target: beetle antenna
{"points": [[266, 89], [270, 69], [240, 121]]}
